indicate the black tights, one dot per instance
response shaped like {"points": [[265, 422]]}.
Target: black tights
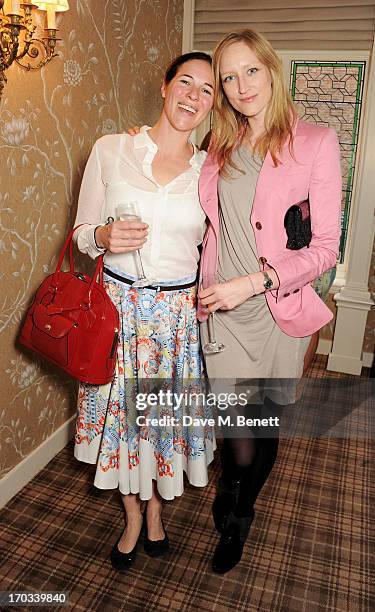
{"points": [[250, 461]]}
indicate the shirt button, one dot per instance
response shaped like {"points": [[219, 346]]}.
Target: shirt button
{"points": [[262, 260], [296, 291], [258, 225], [286, 294]]}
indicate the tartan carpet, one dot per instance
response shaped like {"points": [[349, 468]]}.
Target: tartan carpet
{"points": [[310, 548]]}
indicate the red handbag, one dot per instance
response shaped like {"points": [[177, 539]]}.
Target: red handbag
{"points": [[73, 322]]}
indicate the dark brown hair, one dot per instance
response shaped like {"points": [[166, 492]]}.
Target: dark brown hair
{"points": [[171, 70]]}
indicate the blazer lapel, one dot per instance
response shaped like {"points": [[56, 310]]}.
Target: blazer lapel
{"points": [[271, 177]]}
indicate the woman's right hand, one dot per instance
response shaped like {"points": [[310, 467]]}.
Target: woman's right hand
{"points": [[121, 236]]}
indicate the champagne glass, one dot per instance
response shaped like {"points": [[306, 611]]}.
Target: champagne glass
{"points": [[212, 346], [129, 211]]}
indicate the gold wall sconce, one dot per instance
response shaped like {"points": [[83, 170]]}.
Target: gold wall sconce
{"points": [[17, 40]]}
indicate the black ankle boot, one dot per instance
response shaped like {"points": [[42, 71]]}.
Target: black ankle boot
{"points": [[224, 502], [229, 550]]}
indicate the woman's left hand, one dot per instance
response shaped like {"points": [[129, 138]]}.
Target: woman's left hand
{"points": [[225, 296]]}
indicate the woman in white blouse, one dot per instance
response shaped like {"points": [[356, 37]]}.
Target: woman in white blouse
{"points": [[140, 448]]}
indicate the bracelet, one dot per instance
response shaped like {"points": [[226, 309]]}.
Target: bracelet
{"points": [[96, 244], [108, 222], [252, 286]]}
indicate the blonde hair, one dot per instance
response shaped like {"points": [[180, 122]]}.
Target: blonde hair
{"points": [[229, 125]]}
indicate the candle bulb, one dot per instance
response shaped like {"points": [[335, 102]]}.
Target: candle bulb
{"points": [[15, 7], [51, 18]]}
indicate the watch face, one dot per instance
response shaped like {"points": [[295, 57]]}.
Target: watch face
{"points": [[268, 284]]}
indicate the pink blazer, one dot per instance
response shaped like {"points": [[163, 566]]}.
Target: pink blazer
{"points": [[315, 173]]}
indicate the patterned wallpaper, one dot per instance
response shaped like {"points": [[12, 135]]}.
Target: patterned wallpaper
{"points": [[106, 78]]}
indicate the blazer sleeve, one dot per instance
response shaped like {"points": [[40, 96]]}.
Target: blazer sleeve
{"points": [[90, 205], [295, 269]]}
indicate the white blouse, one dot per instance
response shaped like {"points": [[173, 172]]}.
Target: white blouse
{"points": [[119, 170]]}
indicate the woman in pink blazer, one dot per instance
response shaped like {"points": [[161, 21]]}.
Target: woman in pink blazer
{"points": [[262, 160]]}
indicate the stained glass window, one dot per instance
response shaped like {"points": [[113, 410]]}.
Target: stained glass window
{"points": [[330, 93]]}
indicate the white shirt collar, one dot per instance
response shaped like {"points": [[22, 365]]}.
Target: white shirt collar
{"points": [[143, 140]]}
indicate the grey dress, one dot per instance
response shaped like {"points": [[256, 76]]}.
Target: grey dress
{"points": [[255, 347]]}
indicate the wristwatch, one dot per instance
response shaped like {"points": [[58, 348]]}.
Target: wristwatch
{"points": [[267, 282]]}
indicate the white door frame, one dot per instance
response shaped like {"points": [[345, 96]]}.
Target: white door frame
{"points": [[354, 299], [188, 26]]}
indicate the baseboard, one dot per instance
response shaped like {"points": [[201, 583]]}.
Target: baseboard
{"points": [[29, 467], [325, 346]]}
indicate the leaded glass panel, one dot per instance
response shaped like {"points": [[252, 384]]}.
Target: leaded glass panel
{"points": [[330, 93]]}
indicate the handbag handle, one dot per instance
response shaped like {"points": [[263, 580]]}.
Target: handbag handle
{"points": [[97, 272], [69, 244]]}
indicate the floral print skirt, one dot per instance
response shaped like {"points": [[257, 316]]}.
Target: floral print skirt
{"points": [[150, 423]]}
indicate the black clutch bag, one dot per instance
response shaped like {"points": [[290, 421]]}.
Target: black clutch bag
{"points": [[297, 223]]}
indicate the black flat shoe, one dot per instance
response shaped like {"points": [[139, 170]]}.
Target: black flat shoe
{"points": [[155, 548], [224, 502], [123, 561], [229, 550]]}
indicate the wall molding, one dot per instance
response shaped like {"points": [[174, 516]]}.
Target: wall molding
{"points": [[354, 300], [29, 467], [188, 26]]}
